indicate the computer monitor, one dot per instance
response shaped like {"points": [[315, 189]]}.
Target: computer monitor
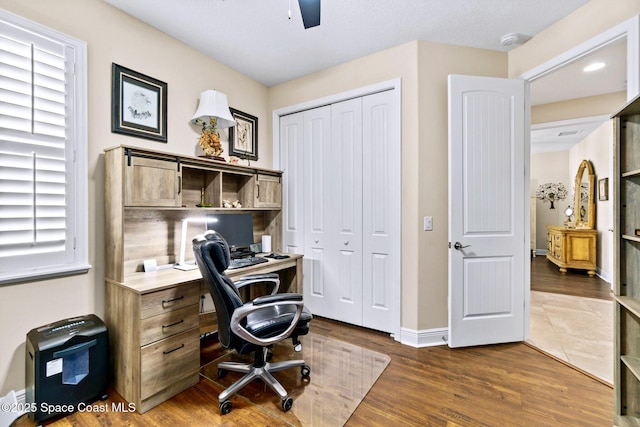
{"points": [[237, 230]]}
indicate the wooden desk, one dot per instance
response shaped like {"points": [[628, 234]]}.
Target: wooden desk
{"points": [[154, 328]]}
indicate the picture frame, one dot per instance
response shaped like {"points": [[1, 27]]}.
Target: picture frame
{"points": [[138, 104], [603, 189], [243, 138]]}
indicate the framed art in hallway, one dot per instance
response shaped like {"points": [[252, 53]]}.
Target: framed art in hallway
{"points": [[138, 104], [603, 189]]}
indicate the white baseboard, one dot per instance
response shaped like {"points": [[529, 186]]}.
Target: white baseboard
{"points": [[604, 275], [424, 338]]}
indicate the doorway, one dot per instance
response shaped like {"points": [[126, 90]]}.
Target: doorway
{"points": [[566, 71]]}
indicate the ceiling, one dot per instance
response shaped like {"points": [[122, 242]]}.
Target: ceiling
{"points": [[571, 82], [258, 39]]}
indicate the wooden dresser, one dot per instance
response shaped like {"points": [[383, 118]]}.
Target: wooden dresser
{"points": [[572, 248], [153, 317]]}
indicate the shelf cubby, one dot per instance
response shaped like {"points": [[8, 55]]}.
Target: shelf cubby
{"points": [[626, 286]]}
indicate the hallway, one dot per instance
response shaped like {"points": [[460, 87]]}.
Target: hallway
{"points": [[572, 318]]}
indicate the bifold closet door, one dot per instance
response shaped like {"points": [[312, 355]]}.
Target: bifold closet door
{"points": [[292, 164], [318, 266], [333, 210], [344, 211], [342, 206], [380, 212]]}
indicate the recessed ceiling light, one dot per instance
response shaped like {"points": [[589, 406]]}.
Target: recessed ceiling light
{"points": [[593, 67]]}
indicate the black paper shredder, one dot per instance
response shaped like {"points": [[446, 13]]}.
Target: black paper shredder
{"points": [[66, 365]]}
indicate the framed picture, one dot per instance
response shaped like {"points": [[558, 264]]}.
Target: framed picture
{"points": [[243, 138], [138, 104], [603, 189]]}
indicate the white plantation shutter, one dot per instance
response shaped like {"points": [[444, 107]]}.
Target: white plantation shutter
{"points": [[42, 176]]}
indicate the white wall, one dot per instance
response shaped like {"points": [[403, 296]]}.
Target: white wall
{"points": [[550, 167], [597, 147]]}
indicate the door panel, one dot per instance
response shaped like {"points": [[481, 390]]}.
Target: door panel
{"points": [[345, 210], [381, 212], [486, 210], [317, 287], [291, 161]]}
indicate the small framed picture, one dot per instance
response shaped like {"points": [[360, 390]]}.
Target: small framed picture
{"points": [[138, 104], [603, 189], [243, 138]]}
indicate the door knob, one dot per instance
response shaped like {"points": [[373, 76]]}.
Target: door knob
{"points": [[346, 242], [458, 246]]}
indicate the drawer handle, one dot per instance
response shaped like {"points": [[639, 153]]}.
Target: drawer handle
{"points": [[173, 324], [171, 351], [169, 301]]}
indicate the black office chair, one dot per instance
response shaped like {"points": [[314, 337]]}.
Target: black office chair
{"points": [[253, 326]]}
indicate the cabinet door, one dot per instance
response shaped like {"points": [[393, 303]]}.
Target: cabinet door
{"points": [[268, 191], [151, 182], [580, 250]]}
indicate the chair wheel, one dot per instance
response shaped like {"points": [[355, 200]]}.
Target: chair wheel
{"points": [[222, 373], [287, 403], [305, 371], [225, 407]]}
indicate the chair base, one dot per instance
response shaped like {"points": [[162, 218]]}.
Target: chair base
{"points": [[253, 372]]}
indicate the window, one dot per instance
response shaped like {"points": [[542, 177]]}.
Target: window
{"points": [[43, 166]]}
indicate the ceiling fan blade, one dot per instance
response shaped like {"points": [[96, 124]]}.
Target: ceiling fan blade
{"points": [[310, 12]]}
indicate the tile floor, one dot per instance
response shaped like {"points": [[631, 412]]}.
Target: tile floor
{"points": [[575, 329]]}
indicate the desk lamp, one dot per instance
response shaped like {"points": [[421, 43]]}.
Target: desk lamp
{"points": [[182, 264]]}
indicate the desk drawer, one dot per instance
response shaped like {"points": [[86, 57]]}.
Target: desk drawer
{"points": [[166, 362], [167, 324], [167, 300]]}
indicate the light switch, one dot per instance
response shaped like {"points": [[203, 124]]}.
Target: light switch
{"points": [[428, 223]]}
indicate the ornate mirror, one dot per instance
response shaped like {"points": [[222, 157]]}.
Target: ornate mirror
{"points": [[584, 204]]}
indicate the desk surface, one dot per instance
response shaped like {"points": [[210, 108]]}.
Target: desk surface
{"points": [[144, 282]]}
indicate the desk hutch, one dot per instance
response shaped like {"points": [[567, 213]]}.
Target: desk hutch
{"points": [[154, 317]]}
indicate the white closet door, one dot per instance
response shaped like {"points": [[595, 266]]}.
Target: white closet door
{"points": [[381, 212], [318, 158], [346, 201], [344, 214], [291, 162]]}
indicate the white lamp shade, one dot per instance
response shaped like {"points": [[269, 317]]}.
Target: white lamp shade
{"points": [[214, 104]]}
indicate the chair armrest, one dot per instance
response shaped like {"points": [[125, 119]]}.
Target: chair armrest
{"points": [[276, 298], [242, 312], [251, 279]]}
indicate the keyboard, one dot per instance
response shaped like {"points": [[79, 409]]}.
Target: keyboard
{"points": [[246, 262]]}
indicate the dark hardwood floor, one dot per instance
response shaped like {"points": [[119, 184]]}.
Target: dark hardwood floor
{"points": [[498, 385], [545, 277]]}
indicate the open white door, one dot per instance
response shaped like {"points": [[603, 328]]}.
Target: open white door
{"points": [[488, 214]]}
